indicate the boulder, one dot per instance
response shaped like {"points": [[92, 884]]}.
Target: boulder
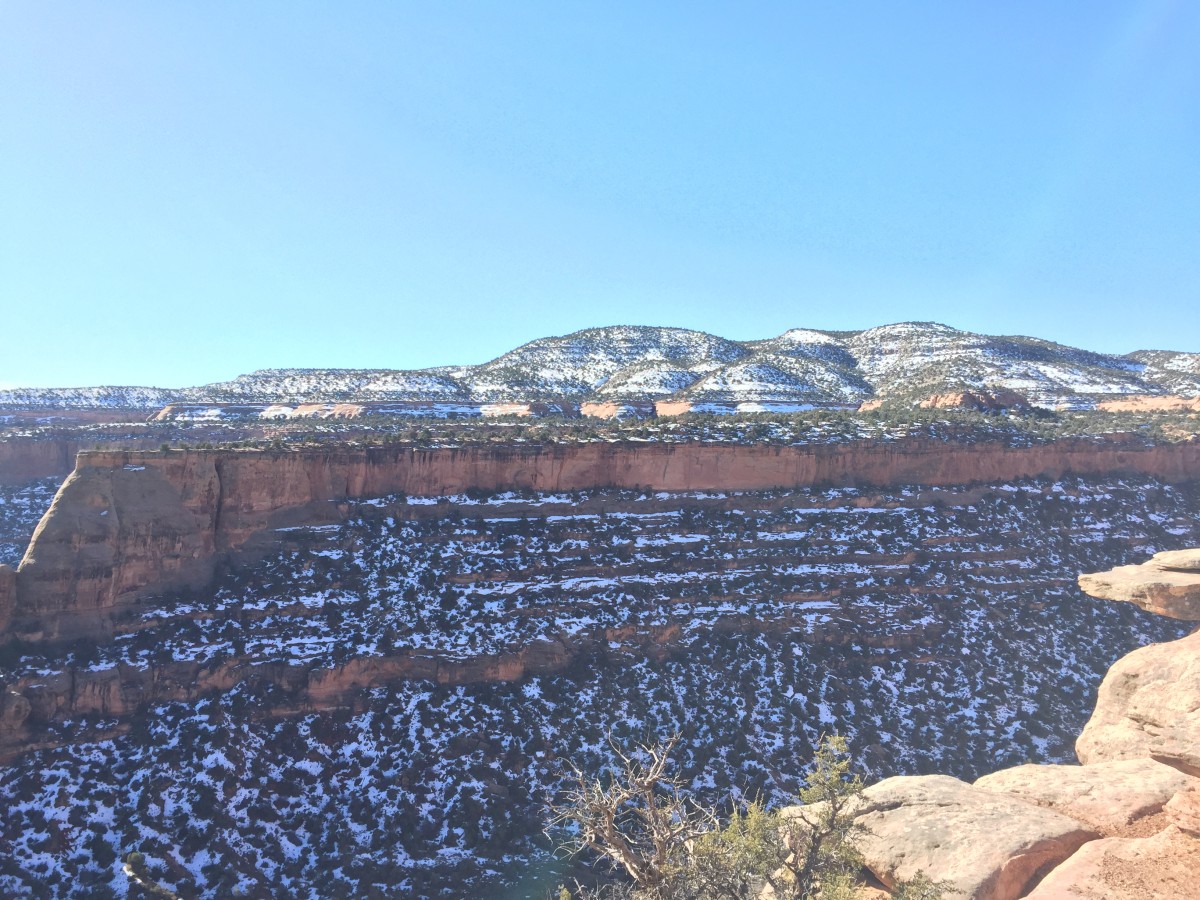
{"points": [[1163, 867], [1148, 707], [1107, 796], [1183, 810], [1167, 584], [1178, 560], [988, 845]]}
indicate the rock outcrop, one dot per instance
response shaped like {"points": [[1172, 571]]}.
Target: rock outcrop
{"points": [[1164, 403], [1165, 866], [126, 523], [988, 845], [1107, 796], [111, 532], [1168, 584], [1149, 707], [980, 401], [1183, 810]]}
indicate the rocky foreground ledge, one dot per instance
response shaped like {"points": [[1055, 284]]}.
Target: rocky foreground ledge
{"points": [[1123, 825], [1169, 584]]}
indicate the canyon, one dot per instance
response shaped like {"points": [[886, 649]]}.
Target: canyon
{"points": [[126, 522], [380, 654]]}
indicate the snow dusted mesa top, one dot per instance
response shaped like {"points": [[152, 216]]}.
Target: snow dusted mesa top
{"points": [[902, 363]]}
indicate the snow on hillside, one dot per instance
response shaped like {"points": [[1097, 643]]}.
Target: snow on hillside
{"points": [[580, 363], [902, 363], [915, 359], [87, 398], [1178, 373]]}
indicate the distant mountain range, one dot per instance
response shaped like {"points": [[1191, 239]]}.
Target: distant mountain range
{"points": [[900, 363]]}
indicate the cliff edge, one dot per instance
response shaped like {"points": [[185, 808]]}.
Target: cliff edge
{"points": [[126, 524], [1123, 825]]}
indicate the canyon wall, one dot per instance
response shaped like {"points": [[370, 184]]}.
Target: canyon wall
{"points": [[24, 459], [127, 523]]}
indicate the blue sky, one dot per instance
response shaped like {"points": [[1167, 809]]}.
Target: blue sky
{"points": [[189, 191]]}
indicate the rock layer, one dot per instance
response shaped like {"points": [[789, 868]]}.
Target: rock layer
{"points": [[126, 523], [1168, 403], [981, 401], [31, 703]]}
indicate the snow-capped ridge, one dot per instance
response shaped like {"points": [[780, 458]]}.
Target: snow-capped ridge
{"points": [[900, 363]]}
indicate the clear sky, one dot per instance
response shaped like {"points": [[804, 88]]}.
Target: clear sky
{"points": [[191, 190]]}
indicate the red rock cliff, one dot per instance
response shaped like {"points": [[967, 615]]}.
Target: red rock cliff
{"points": [[24, 460], [129, 522]]}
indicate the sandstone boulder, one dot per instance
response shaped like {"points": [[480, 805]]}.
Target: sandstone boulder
{"points": [[988, 845], [1107, 796], [1168, 584], [1163, 867], [1179, 560], [1148, 706], [1183, 810]]}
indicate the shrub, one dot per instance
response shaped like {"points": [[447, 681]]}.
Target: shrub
{"points": [[661, 845]]}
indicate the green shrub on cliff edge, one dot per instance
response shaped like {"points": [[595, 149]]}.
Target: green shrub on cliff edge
{"points": [[660, 845]]}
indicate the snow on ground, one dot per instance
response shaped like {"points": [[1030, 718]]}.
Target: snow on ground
{"points": [[939, 630]]}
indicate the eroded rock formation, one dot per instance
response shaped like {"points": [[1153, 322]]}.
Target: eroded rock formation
{"points": [[1163, 866], [129, 522], [1168, 584], [1107, 795], [981, 401], [1149, 706]]}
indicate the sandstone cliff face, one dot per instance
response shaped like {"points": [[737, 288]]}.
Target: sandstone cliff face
{"points": [[110, 533], [24, 460], [128, 522]]}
